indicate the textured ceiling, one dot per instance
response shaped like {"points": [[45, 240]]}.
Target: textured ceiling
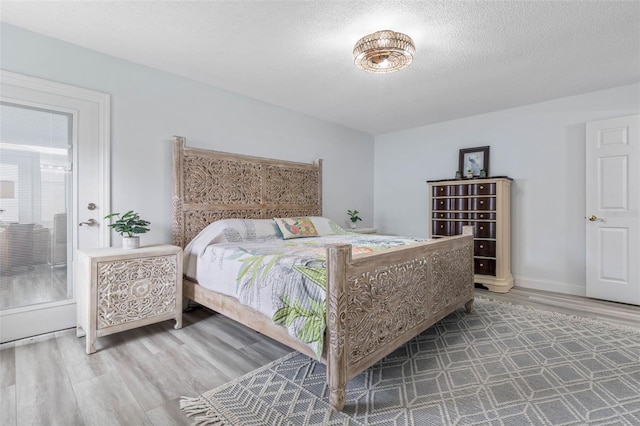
{"points": [[472, 56]]}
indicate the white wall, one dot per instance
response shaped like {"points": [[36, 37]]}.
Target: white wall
{"points": [[149, 106], [541, 146]]}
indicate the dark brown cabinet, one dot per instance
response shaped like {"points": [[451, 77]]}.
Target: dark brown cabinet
{"points": [[484, 204]]}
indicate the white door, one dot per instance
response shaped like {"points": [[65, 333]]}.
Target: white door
{"points": [[613, 209], [54, 162]]}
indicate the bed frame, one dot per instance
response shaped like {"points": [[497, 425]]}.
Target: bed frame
{"points": [[376, 302]]}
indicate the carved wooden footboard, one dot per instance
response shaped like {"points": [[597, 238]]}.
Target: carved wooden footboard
{"points": [[376, 302], [379, 301]]}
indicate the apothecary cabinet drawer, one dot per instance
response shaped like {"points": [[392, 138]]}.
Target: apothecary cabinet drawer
{"points": [[482, 203], [484, 229], [482, 189], [443, 215], [482, 216], [441, 228], [443, 204], [483, 266], [443, 190], [484, 248]]}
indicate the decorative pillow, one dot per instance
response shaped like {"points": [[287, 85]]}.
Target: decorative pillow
{"points": [[296, 227], [326, 226]]}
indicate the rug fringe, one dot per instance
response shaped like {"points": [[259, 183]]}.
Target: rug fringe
{"points": [[201, 411]]}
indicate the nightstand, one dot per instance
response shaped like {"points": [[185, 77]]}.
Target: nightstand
{"points": [[120, 289], [364, 230]]}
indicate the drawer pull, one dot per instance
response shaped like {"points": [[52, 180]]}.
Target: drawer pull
{"points": [[481, 245], [482, 264], [482, 227], [481, 202], [481, 186], [441, 226], [441, 202]]}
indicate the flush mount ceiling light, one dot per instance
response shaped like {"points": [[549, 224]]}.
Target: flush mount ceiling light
{"points": [[384, 51]]}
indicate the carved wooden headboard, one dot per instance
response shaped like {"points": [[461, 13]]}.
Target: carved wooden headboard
{"points": [[211, 185]]}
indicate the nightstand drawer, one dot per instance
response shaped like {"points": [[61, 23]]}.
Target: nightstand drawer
{"points": [[134, 289]]}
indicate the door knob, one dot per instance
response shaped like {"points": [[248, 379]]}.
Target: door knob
{"points": [[594, 218], [90, 222]]}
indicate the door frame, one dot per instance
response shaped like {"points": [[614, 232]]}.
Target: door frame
{"points": [[41, 318]]}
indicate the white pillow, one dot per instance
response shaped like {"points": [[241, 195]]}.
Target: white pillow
{"points": [[227, 231]]}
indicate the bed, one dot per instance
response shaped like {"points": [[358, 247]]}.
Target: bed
{"points": [[375, 302]]}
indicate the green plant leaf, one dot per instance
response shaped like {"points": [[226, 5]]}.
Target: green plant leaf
{"points": [[316, 274], [281, 315]]}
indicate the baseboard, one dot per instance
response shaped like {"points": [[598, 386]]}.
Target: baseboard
{"points": [[545, 285]]}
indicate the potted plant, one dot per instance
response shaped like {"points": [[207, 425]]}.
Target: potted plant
{"points": [[353, 217], [129, 226]]}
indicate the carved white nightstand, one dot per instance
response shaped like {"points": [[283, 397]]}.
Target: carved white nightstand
{"points": [[121, 289]]}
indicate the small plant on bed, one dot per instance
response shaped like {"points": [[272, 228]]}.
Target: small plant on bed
{"points": [[129, 226], [353, 217]]}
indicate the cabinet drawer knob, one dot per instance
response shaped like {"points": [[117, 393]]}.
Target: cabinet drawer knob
{"points": [[481, 245], [482, 264], [481, 186], [482, 227], [481, 202], [441, 202], [441, 226]]}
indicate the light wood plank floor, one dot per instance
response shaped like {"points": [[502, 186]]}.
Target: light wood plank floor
{"points": [[24, 286], [138, 376]]}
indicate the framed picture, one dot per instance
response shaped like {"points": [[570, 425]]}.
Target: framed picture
{"points": [[474, 159]]}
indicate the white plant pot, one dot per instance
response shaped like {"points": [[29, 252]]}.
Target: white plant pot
{"points": [[353, 225], [130, 243]]}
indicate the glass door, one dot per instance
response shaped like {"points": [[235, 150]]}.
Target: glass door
{"points": [[35, 201], [54, 176]]}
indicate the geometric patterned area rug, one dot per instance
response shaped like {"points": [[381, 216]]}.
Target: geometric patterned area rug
{"points": [[502, 364]]}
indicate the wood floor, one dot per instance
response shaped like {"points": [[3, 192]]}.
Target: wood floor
{"points": [[24, 286], [138, 376]]}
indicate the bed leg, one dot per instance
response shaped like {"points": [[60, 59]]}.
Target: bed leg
{"points": [[338, 255], [336, 399], [469, 306]]}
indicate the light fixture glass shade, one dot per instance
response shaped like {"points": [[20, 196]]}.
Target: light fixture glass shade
{"points": [[384, 51]]}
